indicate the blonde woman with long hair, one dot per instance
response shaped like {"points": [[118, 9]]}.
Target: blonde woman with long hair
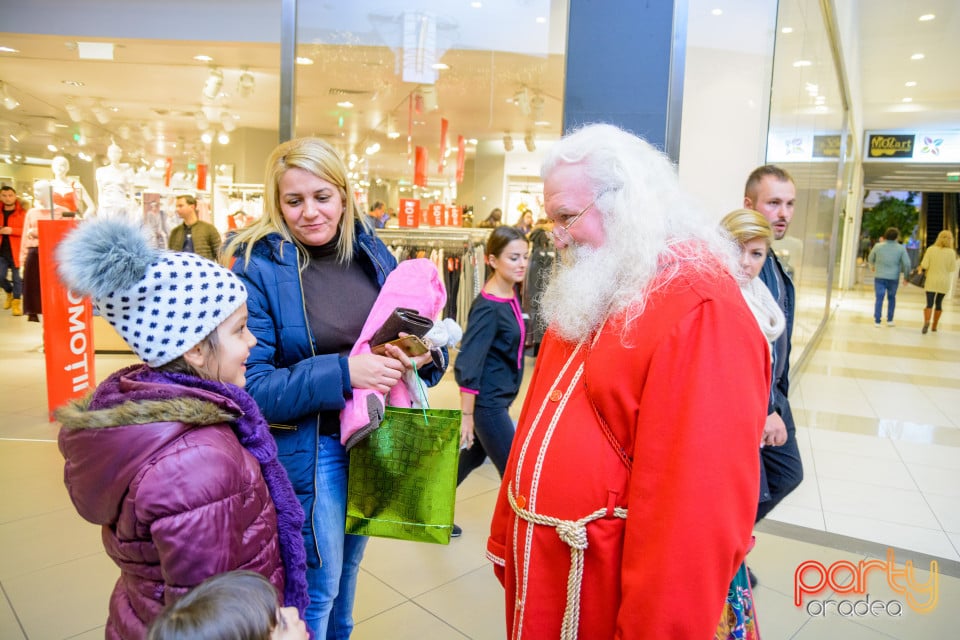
{"points": [[940, 264]]}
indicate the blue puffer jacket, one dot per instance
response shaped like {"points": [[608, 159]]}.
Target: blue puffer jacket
{"points": [[289, 381]]}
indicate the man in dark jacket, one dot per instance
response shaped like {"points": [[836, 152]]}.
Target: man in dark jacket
{"points": [[194, 235], [10, 232]]}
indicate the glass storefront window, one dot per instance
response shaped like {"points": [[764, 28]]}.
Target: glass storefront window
{"points": [[436, 101]]}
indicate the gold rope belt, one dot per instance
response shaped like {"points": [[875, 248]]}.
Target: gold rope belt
{"points": [[574, 534]]}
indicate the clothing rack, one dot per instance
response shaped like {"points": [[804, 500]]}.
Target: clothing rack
{"points": [[458, 254]]}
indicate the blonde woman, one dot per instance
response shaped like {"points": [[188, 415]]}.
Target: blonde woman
{"points": [[940, 264]]}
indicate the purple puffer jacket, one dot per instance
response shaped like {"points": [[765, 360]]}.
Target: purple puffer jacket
{"points": [[178, 497]]}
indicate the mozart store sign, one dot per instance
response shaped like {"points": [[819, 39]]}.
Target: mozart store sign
{"points": [[890, 146]]}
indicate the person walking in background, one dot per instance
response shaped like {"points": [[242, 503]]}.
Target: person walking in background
{"points": [[495, 219], [313, 270], [888, 260], [940, 266], [237, 605], [378, 218], [171, 457], [651, 378], [194, 235], [11, 232], [489, 367], [771, 191], [525, 224]]}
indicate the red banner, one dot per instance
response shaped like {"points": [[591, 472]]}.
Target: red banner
{"points": [[67, 324], [444, 125], [420, 167], [168, 172], [409, 214], [201, 177], [435, 213], [461, 158], [454, 216]]}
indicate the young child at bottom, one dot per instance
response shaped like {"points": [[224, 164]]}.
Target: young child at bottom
{"points": [[239, 605], [171, 457]]}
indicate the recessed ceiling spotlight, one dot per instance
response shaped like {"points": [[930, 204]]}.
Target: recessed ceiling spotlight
{"points": [[786, 30], [223, 138], [717, 12], [206, 137], [542, 123], [917, 56], [472, 141], [52, 148], [441, 66], [926, 17], [203, 58], [476, 5], [9, 50], [802, 63], [907, 100], [72, 83], [910, 83], [345, 104], [304, 60]]}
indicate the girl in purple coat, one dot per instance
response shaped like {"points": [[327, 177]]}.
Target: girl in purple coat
{"points": [[171, 457]]}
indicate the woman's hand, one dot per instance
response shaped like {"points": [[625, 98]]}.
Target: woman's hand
{"points": [[408, 361], [774, 431], [466, 431], [370, 371]]}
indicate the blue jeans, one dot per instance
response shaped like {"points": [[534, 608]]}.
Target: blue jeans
{"points": [[494, 429], [332, 578], [881, 286], [15, 286]]}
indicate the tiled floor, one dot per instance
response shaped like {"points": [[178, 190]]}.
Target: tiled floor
{"points": [[879, 428]]}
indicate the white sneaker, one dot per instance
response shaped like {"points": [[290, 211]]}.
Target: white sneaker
{"points": [[890, 324], [876, 324]]}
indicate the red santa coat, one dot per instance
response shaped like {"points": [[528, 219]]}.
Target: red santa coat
{"points": [[683, 391]]}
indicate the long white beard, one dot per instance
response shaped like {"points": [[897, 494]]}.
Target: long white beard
{"points": [[581, 292]]}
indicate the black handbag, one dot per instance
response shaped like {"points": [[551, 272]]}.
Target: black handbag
{"points": [[405, 320], [916, 278]]}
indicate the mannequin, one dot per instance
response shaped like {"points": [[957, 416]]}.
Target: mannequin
{"points": [[115, 186], [69, 193], [29, 246]]}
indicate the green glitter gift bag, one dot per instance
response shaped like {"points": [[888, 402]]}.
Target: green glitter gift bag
{"points": [[402, 481]]}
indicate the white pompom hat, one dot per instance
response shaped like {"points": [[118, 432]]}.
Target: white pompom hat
{"points": [[161, 303]]}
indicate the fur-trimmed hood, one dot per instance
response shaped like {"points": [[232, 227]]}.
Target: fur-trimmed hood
{"points": [[106, 438]]}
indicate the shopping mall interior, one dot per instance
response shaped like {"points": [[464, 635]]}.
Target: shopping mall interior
{"points": [[451, 105]]}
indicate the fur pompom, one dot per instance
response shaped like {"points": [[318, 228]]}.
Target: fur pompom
{"points": [[103, 256]]}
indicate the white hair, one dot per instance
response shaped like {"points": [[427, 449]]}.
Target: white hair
{"points": [[651, 230]]}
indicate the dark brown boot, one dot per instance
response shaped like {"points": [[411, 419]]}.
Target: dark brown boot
{"points": [[936, 319], [926, 320]]}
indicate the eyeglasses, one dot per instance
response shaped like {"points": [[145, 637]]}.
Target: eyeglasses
{"points": [[561, 232]]}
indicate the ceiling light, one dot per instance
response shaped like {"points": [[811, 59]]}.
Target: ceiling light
{"points": [[372, 149], [717, 12], [100, 113], [246, 84], [20, 134], [786, 30], [917, 56], [73, 111], [802, 63], [206, 137], [9, 50], [203, 58], [124, 132], [72, 83], [440, 66], [926, 17], [907, 100], [228, 122], [530, 142], [346, 104], [304, 60], [472, 141], [9, 101], [476, 5], [507, 142], [223, 138], [392, 132], [911, 83], [202, 123], [52, 148], [146, 131], [213, 84]]}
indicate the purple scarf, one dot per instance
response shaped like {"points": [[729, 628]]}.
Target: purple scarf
{"points": [[254, 434]]}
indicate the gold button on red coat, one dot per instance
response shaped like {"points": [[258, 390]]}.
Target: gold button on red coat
{"points": [[555, 395]]}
